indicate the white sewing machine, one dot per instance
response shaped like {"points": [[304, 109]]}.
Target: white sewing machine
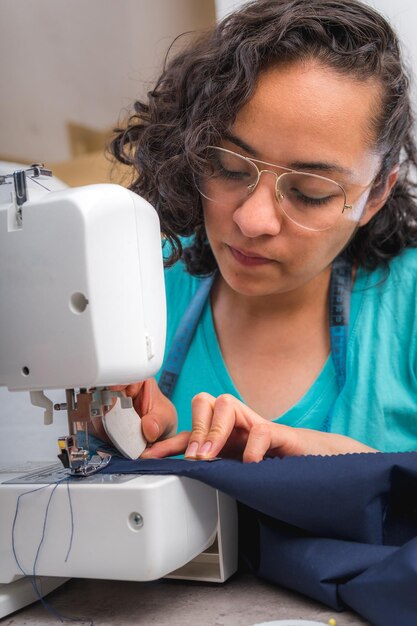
{"points": [[82, 308]]}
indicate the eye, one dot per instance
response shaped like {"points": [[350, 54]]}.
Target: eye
{"points": [[304, 191], [231, 174], [230, 167], [300, 196]]}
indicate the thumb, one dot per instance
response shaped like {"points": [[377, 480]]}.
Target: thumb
{"points": [[159, 416]]}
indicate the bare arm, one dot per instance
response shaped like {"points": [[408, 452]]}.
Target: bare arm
{"points": [[224, 426]]}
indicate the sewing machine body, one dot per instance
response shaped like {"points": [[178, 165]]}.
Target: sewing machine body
{"points": [[82, 273], [119, 527], [122, 527]]}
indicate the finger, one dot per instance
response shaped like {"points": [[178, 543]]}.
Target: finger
{"points": [[202, 406], [229, 415], [168, 447], [131, 390], [157, 426], [233, 448], [159, 417], [272, 439], [286, 441], [223, 422], [258, 443]]}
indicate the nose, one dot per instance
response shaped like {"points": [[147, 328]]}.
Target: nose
{"points": [[258, 214]]}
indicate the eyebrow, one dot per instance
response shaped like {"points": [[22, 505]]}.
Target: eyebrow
{"points": [[321, 166]]}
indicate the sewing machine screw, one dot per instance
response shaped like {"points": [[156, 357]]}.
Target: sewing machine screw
{"points": [[135, 521], [60, 406]]}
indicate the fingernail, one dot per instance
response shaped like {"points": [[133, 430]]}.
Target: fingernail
{"points": [[191, 451], [151, 431], [157, 429], [205, 448]]}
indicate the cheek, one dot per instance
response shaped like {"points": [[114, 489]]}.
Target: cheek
{"points": [[336, 244], [216, 218], [314, 251]]}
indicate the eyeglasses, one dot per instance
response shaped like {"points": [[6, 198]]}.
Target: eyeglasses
{"points": [[311, 201]]}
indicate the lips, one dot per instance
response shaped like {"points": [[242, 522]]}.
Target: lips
{"points": [[248, 258]]}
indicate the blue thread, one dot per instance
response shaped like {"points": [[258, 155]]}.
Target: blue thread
{"points": [[72, 521], [62, 618], [43, 529]]}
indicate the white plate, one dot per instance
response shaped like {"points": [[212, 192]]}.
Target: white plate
{"points": [[124, 431]]}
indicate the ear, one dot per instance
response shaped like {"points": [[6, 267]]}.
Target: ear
{"points": [[377, 201]]}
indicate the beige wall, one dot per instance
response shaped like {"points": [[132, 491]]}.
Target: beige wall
{"points": [[80, 61]]}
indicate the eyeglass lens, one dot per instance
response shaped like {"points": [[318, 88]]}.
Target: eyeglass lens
{"points": [[311, 201]]}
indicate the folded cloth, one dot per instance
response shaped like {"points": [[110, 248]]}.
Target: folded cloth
{"points": [[340, 529]]}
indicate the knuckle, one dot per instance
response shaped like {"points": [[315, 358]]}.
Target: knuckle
{"points": [[225, 400], [200, 399]]}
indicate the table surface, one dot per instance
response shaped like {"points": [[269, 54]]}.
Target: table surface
{"points": [[242, 601]]}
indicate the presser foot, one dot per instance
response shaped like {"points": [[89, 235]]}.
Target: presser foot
{"points": [[77, 460]]}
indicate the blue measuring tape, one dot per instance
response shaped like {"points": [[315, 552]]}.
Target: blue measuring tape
{"points": [[183, 337], [340, 292]]}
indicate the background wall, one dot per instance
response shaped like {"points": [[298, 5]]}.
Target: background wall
{"points": [[403, 16], [77, 61]]}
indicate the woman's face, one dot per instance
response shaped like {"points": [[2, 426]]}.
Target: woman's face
{"points": [[306, 117]]}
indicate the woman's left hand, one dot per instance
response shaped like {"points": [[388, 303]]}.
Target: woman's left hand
{"points": [[226, 427]]}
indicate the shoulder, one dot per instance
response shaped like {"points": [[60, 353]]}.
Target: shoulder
{"points": [[399, 274], [389, 294], [401, 277], [405, 265]]}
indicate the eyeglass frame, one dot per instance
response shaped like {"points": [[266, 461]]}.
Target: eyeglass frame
{"points": [[278, 194]]}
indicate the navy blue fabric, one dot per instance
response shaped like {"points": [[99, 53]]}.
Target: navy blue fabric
{"points": [[341, 529]]}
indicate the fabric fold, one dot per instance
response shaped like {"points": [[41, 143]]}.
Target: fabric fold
{"points": [[339, 529]]}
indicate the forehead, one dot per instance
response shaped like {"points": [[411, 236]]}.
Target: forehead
{"points": [[305, 111]]}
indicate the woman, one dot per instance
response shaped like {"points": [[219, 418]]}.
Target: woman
{"points": [[278, 143]]}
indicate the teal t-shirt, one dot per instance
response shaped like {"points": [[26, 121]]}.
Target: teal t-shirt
{"points": [[378, 404]]}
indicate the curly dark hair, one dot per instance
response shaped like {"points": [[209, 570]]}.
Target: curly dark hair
{"points": [[200, 91]]}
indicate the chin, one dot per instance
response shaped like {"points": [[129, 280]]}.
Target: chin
{"points": [[250, 286], [250, 280]]}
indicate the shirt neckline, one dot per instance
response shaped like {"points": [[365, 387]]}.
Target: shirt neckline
{"points": [[319, 387]]}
